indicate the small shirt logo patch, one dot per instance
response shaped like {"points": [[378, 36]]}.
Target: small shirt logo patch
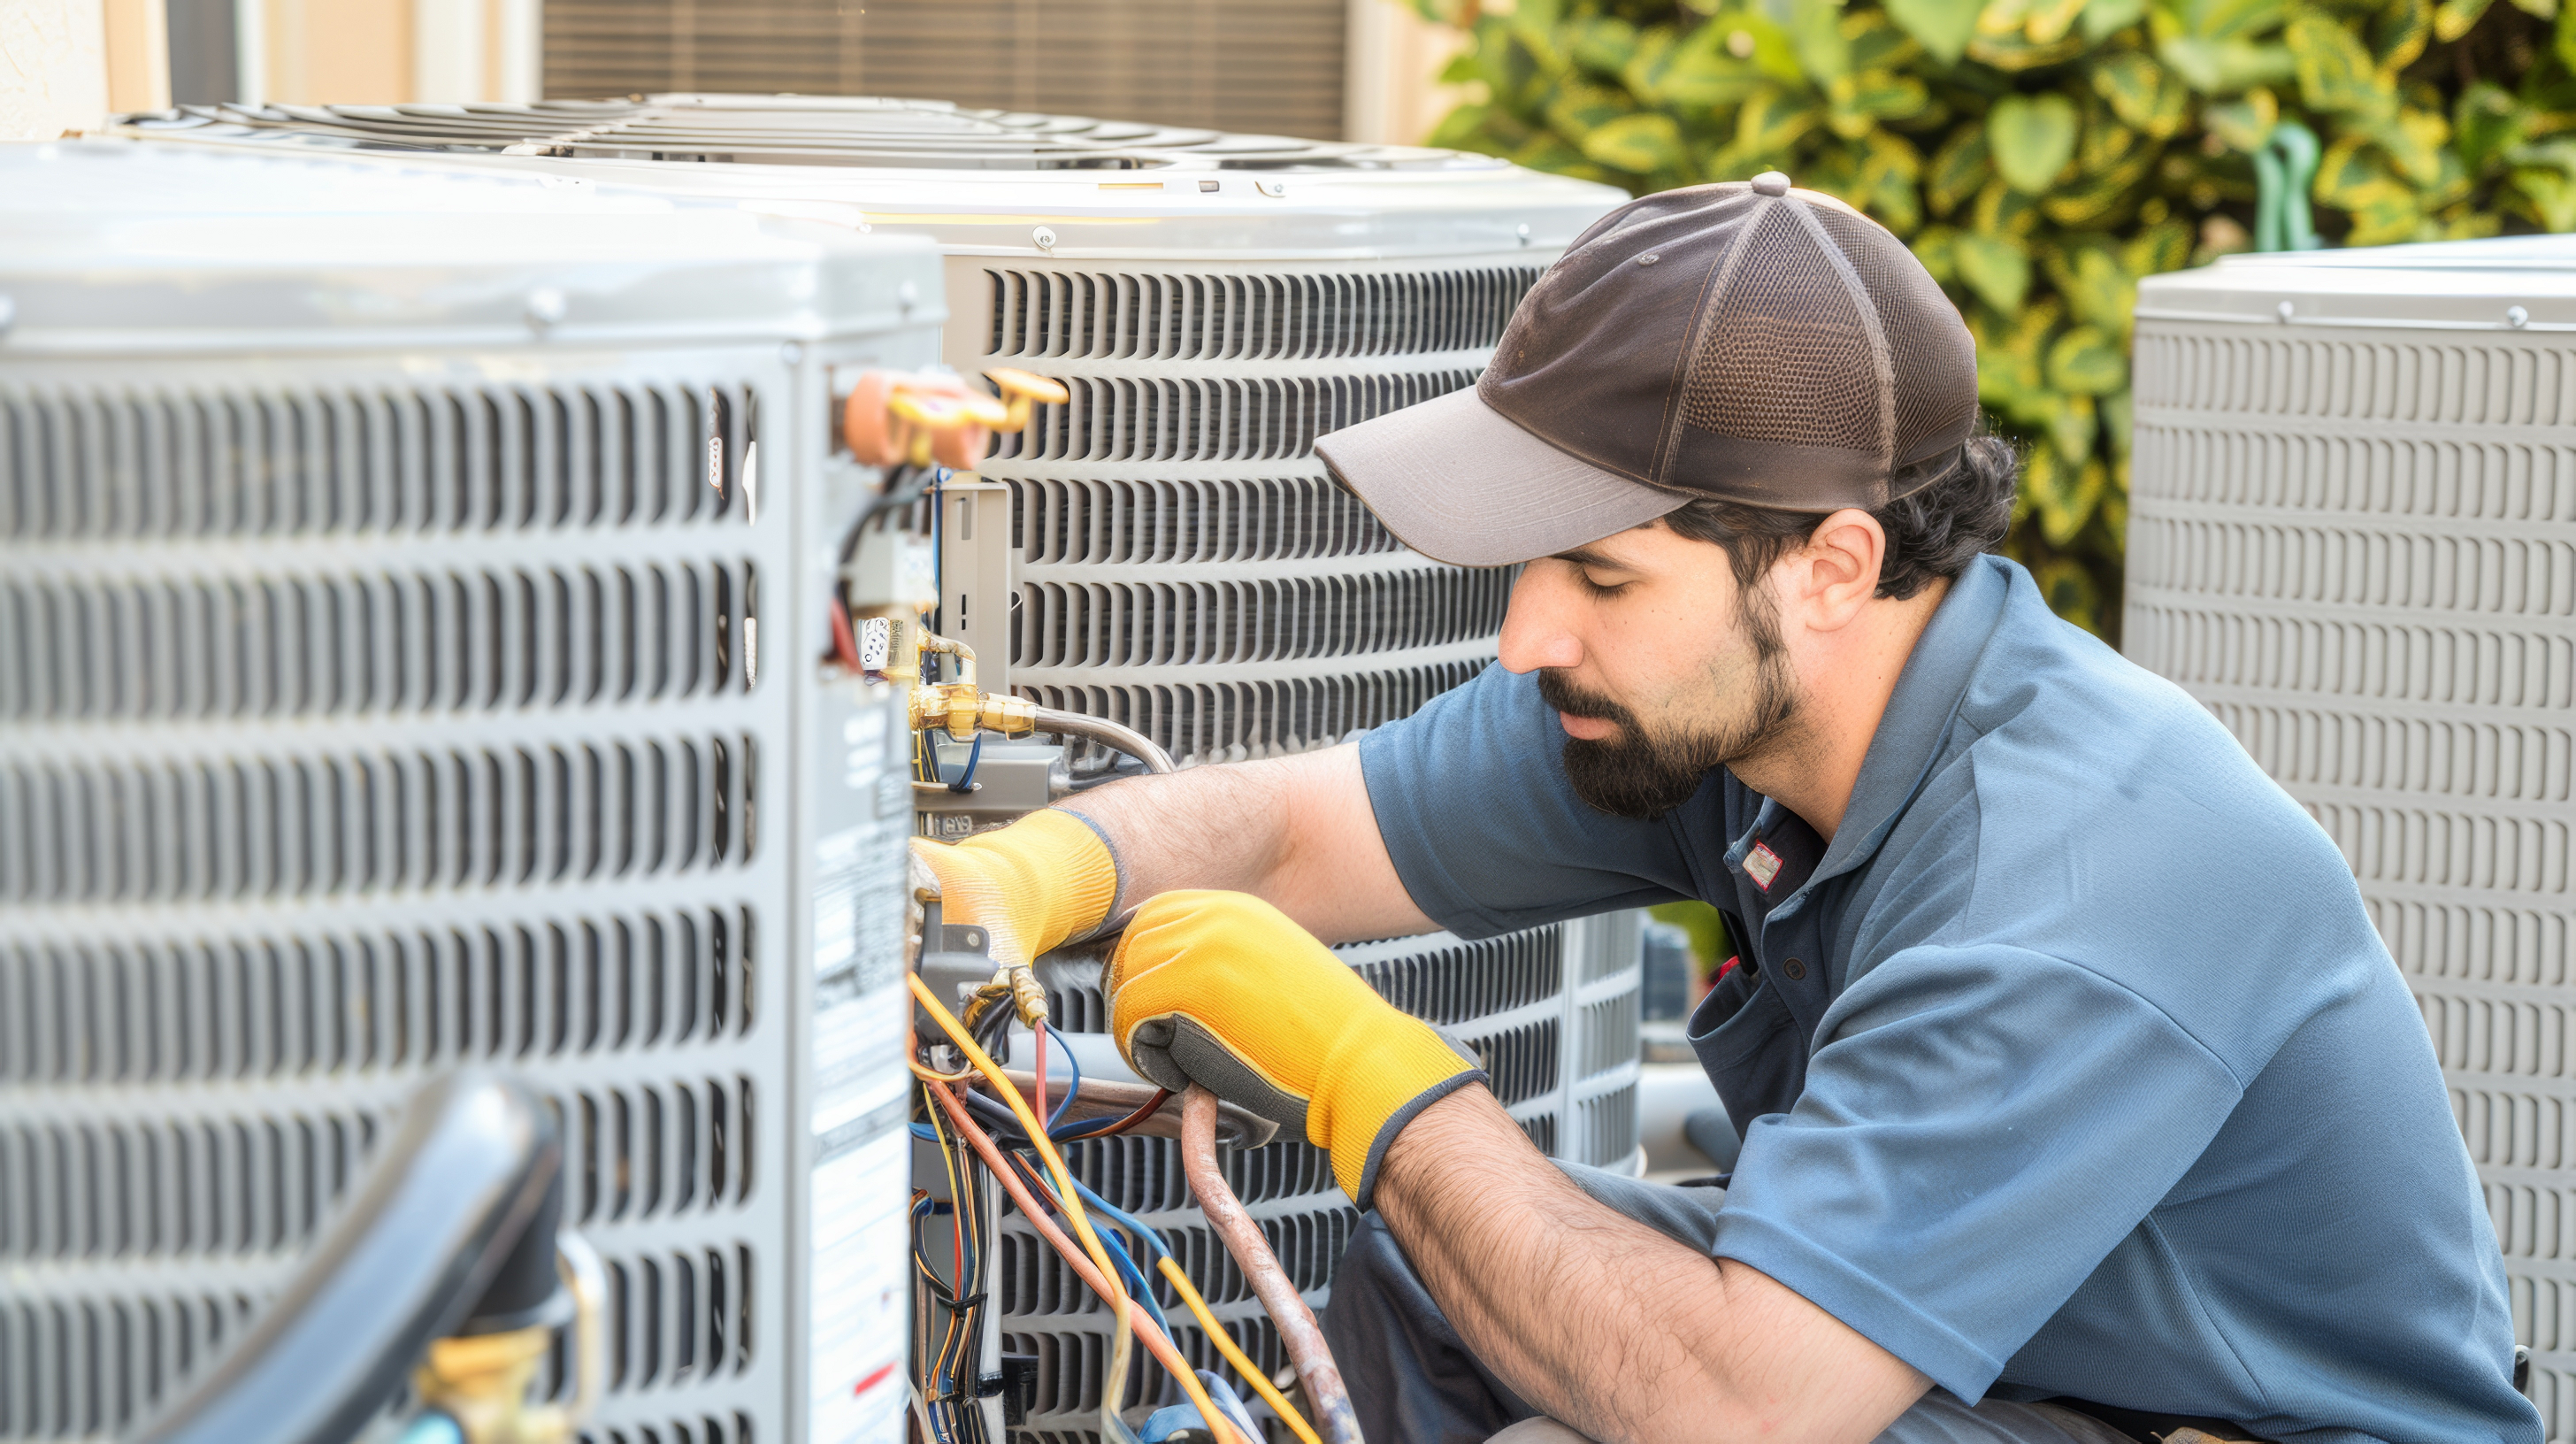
{"points": [[1762, 865]]}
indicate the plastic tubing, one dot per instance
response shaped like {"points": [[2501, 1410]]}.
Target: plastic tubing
{"points": [[1108, 734], [1270, 1283], [1157, 1342]]}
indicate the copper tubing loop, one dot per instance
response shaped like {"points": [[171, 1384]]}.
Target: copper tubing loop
{"points": [[1297, 1327]]}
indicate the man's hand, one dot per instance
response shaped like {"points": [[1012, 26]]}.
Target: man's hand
{"points": [[1043, 880], [1221, 989]]}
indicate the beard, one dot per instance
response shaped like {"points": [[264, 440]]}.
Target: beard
{"points": [[1636, 774]]}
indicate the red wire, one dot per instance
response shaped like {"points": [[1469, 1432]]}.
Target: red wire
{"points": [[1132, 1119], [844, 641]]}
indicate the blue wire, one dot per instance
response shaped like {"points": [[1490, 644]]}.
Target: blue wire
{"points": [[1071, 1063], [1139, 1289], [1100, 1205], [966, 780], [1144, 1287]]}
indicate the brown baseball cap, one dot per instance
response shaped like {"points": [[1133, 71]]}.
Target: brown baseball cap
{"points": [[1746, 342]]}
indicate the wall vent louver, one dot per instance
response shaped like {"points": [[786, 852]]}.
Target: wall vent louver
{"points": [[2353, 538]]}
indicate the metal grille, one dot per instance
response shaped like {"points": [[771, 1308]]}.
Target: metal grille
{"points": [[277, 824], [2359, 551], [181, 461], [1180, 418], [195, 1009], [166, 647], [1125, 316], [1512, 1000], [1249, 519], [1198, 622]]}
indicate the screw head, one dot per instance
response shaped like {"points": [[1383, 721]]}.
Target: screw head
{"points": [[1043, 238], [1273, 188], [790, 352], [2516, 317], [2285, 310], [1521, 232], [546, 307], [907, 295]]}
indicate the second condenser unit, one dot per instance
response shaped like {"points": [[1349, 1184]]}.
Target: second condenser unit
{"points": [[2353, 538], [1163, 549]]}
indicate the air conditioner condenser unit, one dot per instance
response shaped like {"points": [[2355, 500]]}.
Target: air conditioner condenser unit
{"points": [[410, 614], [2353, 537]]}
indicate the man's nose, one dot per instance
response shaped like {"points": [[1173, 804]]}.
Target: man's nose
{"points": [[1535, 633]]}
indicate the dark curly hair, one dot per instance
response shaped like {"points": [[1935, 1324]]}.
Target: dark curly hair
{"points": [[1931, 532]]}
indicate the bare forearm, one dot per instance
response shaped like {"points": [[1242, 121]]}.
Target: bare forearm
{"points": [[1606, 1324], [1295, 831]]}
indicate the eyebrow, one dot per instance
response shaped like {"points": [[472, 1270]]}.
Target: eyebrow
{"points": [[1585, 556]]}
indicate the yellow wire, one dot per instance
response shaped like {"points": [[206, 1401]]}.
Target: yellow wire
{"points": [[1225, 1345], [1067, 1196]]}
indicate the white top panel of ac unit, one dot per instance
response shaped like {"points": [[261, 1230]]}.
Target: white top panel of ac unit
{"points": [[979, 182], [107, 245], [2510, 283]]}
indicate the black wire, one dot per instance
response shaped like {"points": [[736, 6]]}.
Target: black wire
{"points": [[904, 485]]}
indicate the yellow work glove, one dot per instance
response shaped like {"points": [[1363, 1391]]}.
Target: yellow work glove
{"points": [[1221, 989], [1041, 881]]}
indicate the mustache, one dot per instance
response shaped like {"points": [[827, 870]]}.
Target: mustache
{"points": [[1563, 694]]}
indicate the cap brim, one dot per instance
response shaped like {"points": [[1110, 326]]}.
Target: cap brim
{"points": [[1458, 481]]}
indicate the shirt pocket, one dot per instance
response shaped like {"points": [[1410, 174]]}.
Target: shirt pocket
{"points": [[1747, 1044]]}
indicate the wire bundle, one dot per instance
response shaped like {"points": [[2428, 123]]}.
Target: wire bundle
{"points": [[1025, 1160]]}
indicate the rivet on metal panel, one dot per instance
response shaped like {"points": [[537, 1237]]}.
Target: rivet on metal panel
{"points": [[2516, 317], [2285, 310], [1043, 238], [906, 295], [1522, 232]]}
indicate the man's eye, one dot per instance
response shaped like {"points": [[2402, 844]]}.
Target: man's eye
{"points": [[1598, 588]]}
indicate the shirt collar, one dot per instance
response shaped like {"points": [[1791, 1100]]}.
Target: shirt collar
{"points": [[1914, 731]]}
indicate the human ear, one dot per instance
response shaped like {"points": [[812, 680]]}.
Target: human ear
{"points": [[1839, 566]]}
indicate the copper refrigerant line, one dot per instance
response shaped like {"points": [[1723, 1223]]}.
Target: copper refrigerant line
{"points": [[1270, 1283]]}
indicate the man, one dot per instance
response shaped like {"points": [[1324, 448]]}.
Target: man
{"points": [[2079, 1100]]}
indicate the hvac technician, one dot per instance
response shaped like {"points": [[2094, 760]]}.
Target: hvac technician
{"points": [[2079, 1099]]}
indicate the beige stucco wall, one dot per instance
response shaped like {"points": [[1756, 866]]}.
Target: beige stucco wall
{"points": [[53, 67]]}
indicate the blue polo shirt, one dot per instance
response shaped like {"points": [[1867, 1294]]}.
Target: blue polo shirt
{"points": [[2072, 1066]]}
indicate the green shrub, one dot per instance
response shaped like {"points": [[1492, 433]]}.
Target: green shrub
{"points": [[2042, 155]]}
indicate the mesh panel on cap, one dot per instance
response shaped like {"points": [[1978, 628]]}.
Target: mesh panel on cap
{"points": [[1787, 358], [1928, 347]]}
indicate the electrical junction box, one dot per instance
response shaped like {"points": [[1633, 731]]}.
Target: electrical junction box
{"points": [[1164, 549], [411, 598], [2352, 536]]}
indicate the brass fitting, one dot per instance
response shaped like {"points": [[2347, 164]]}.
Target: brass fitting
{"points": [[960, 708], [1022, 390], [482, 1382], [922, 417]]}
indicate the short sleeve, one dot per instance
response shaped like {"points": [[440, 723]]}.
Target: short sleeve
{"points": [[1487, 834], [1983, 1128]]}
